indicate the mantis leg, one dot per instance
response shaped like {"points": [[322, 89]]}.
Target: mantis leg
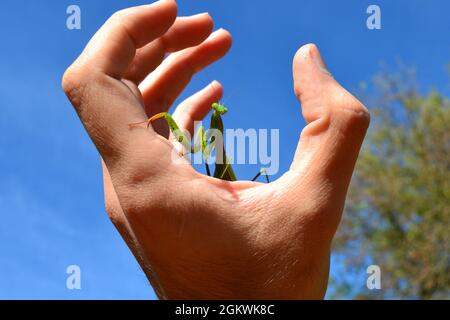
{"points": [[200, 143], [227, 170], [173, 126], [260, 173], [221, 170], [208, 148]]}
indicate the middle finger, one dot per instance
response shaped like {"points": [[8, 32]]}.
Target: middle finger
{"points": [[185, 32]]}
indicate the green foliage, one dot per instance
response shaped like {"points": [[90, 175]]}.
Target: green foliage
{"points": [[398, 211]]}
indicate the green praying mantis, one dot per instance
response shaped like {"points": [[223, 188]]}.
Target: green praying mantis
{"points": [[205, 142]]}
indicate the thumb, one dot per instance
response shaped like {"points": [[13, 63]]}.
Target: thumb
{"points": [[336, 125]]}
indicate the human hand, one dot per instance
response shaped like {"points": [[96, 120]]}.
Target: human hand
{"points": [[198, 237]]}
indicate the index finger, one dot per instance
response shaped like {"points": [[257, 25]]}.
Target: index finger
{"points": [[105, 105]]}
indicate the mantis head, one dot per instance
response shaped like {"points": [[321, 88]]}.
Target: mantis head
{"points": [[220, 108]]}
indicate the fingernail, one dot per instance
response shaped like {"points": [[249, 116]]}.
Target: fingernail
{"points": [[161, 1], [216, 33], [318, 60], [215, 84], [201, 14]]}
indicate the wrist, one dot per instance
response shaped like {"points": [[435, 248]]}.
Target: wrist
{"points": [[241, 284]]}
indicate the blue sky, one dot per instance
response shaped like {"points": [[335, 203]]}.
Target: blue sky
{"points": [[51, 198]]}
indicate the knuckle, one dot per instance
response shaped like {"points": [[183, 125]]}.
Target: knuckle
{"points": [[78, 83], [351, 113], [123, 17], [119, 15], [74, 84], [68, 80]]}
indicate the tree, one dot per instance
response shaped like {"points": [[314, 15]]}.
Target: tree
{"points": [[398, 210]]}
